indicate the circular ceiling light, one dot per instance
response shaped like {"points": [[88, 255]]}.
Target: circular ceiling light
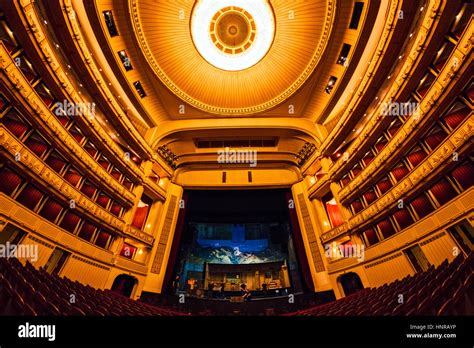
{"points": [[233, 34]]}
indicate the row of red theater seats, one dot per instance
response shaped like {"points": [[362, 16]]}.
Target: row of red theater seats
{"points": [[27, 291], [445, 290]]}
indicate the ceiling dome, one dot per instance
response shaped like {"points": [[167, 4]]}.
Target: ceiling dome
{"points": [[232, 57]]}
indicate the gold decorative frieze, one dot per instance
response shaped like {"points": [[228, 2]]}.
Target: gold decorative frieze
{"points": [[139, 234], [38, 106], [29, 11], [363, 85], [421, 40], [77, 36], [31, 161], [421, 174], [407, 130], [132, 265], [153, 186]]}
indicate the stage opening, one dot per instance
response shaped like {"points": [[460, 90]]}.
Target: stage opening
{"points": [[230, 238]]}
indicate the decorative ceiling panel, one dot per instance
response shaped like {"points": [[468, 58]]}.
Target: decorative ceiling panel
{"points": [[301, 31]]}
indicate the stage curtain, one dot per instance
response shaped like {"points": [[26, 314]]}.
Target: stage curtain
{"points": [[116, 209], [381, 144], [416, 157], [116, 174], [72, 177], [371, 236], [345, 180], [63, 119], [403, 218], [140, 217], [436, 138], [87, 231], [50, 210], [90, 149], [357, 206], [334, 214], [29, 197], [69, 221], [368, 159], [104, 163], [127, 183], [15, 125], [443, 191], [394, 129], [169, 276], [384, 185], [455, 118], [102, 199], [299, 245], [36, 146], [386, 228], [102, 239], [422, 206], [76, 133], [356, 171], [464, 175], [55, 162], [47, 100], [470, 93], [422, 91], [10, 181], [88, 189], [370, 196], [400, 171]]}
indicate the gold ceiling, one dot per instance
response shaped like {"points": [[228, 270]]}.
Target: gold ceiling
{"points": [[162, 29]]}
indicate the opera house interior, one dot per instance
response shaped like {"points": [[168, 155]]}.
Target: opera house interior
{"points": [[236, 158]]}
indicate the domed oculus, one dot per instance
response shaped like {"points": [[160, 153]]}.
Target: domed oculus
{"points": [[233, 34]]}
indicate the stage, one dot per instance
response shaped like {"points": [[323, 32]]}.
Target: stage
{"points": [[257, 276]]}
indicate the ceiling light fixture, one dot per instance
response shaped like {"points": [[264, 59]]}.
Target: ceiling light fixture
{"points": [[233, 34]]}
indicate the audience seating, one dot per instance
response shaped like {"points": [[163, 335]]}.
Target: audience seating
{"points": [[445, 290], [25, 290]]}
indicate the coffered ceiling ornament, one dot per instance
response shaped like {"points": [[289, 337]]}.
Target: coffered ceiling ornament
{"points": [[231, 37], [233, 57]]}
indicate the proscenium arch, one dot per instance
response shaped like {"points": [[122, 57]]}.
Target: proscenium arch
{"points": [[315, 131]]}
